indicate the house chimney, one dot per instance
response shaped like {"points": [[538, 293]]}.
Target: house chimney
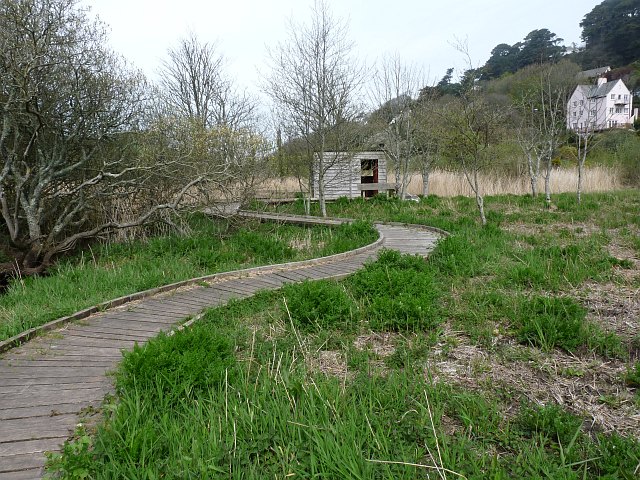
{"points": [[602, 81]]}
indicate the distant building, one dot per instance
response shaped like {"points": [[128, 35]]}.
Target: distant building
{"points": [[601, 105], [593, 73], [351, 175]]}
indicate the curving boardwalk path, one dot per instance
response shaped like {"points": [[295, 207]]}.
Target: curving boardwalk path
{"points": [[49, 383]]}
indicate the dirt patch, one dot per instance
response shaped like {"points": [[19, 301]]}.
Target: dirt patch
{"points": [[613, 306], [382, 344], [591, 388], [577, 230], [331, 363]]}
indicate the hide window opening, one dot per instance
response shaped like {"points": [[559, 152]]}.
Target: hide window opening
{"points": [[369, 174]]}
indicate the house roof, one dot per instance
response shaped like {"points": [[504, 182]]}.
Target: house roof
{"points": [[594, 72], [597, 91]]}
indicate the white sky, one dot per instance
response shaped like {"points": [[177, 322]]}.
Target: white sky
{"points": [[420, 30]]}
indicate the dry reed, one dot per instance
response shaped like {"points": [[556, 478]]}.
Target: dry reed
{"points": [[450, 184]]}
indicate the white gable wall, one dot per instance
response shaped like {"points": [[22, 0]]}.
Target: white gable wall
{"points": [[609, 110], [619, 108]]}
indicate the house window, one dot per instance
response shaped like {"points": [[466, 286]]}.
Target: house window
{"points": [[626, 97], [575, 114], [575, 104], [618, 109], [611, 110], [593, 111], [581, 102], [581, 112], [626, 110], [613, 96], [575, 126]]}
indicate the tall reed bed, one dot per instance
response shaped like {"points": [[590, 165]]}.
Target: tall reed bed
{"points": [[451, 184]]}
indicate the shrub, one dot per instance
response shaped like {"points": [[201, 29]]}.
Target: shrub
{"points": [[551, 322], [557, 267], [265, 248], [318, 305], [350, 236], [551, 421], [399, 293], [632, 377], [191, 361]]}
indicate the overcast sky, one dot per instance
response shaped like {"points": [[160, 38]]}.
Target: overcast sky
{"points": [[420, 30]]}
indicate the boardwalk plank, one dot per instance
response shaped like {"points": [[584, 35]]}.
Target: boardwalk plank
{"points": [[31, 474], [47, 427], [45, 410], [20, 462], [106, 335], [54, 372], [47, 389], [30, 446], [118, 324], [54, 397]]}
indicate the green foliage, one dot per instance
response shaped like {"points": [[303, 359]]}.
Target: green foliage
{"points": [[180, 366], [539, 46], [617, 457], [551, 322], [470, 252], [75, 462], [399, 293], [350, 236], [618, 149], [268, 248], [318, 305], [549, 421], [632, 377], [557, 267], [605, 33]]}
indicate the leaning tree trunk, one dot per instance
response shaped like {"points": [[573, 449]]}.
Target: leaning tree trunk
{"points": [[547, 182], [579, 193], [582, 157], [306, 198], [534, 172], [321, 199], [425, 182], [479, 198]]}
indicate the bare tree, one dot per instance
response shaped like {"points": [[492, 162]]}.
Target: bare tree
{"points": [[313, 81], [471, 128], [427, 142], [593, 118], [540, 97], [70, 142], [193, 84], [394, 90]]}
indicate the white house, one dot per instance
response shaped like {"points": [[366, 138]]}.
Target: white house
{"points": [[353, 174], [600, 106]]}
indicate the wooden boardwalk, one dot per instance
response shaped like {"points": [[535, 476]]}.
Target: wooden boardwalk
{"points": [[53, 381]]}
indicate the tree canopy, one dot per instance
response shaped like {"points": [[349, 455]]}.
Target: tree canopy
{"points": [[539, 46], [611, 32]]}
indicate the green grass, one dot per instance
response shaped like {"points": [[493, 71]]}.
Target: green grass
{"points": [[187, 409], [108, 271], [280, 411]]}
